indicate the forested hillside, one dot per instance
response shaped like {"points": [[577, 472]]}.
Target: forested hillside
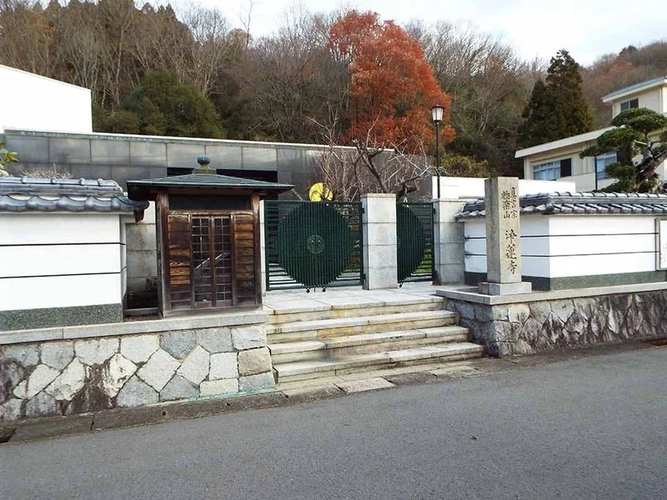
{"points": [[614, 71], [315, 80]]}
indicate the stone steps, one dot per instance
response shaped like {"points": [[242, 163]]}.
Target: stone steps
{"points": [[355, 333], [318, 329], [352, 307], [309, 350], [307, 370]]}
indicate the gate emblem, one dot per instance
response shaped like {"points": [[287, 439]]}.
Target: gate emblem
{"points": [[314, 244]]}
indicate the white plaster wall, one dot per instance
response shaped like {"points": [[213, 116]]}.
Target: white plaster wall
{"points": [[57, 228], [54, 260], [59, 291], [563, 246], [454, 188], [38, 103], [60, 260], [532, 227]]}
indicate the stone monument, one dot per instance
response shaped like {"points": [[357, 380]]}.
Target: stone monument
{"points": [[503, 238]]}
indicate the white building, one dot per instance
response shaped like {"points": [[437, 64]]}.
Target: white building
{"points": [[33, 102], [559, 160]]}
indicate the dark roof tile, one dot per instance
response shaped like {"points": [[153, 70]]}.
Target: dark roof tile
{"points": [[24, 194], [579, 203]]}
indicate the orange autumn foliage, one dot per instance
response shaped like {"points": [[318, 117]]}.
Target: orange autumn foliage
{"points": [[392, 85]]}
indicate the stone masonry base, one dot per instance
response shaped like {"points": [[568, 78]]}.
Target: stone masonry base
{"points": [[532, 326], [165, 362]]}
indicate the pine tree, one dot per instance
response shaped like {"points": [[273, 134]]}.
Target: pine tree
{"points": [[558, 109]]}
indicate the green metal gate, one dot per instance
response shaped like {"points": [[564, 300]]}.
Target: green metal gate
{"points": [[414, 232], [312, 244]]}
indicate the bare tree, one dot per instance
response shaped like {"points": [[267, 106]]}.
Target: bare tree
{"points": [[348, 172]]}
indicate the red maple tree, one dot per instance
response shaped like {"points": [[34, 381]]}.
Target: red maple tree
{"points": [[392, 86]]}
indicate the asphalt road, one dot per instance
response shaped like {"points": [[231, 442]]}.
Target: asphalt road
{"points": [[591, 428]]}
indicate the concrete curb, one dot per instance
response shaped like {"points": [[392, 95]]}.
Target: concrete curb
{"points": [[49, 427]]}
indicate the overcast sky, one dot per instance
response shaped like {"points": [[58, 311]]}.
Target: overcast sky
{"points": [[535, 28]]}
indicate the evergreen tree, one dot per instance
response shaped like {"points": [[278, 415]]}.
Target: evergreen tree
{"points": [[532, 129], [558, 109], [161, 105], [640, 142]]}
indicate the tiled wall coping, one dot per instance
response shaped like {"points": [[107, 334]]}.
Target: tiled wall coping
{"points": [[133, 327], [471, 295]]}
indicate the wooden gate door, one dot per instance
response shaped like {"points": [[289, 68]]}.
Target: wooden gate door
{"points": [[210, 261]]}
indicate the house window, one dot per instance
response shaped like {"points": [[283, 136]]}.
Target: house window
{"points": [[633, 103], [547, 171], [602, 162]]}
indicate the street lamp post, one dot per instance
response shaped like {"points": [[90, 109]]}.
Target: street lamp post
{"points": [[437, 113]]}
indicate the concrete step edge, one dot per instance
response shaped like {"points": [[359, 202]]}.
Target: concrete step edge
{"points": [[366, 338], [346, 362], [326, 324], [407, 301]]}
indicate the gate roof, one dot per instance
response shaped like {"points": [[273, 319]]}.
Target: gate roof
{"points": [[146, 189]]}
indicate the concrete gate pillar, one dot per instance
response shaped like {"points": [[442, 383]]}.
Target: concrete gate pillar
{"points": [[448, 243], [379, 241]]}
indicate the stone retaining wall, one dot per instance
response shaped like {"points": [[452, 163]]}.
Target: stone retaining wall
{"points": [[531, 326], [145, 363]]}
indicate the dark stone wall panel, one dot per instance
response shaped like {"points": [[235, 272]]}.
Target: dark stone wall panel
{"points": [[526, 328]]}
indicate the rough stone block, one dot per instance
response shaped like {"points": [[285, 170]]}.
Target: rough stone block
{"points": [[38, 380], [158, 370], [249, 337], [117, 372], [540, 311], [223, 365], [195, 367], [41, 405], [518, 313], [139, 348], [11, 410], [26, 355], [215, 340], [483, 312], [178, 344], [466, 310], [261, 382], [69, 382], [57, 355], [95, 351], [178, 388], [218, 387], [11, 374], [563, 309], [254, 361], [136, 393]]}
